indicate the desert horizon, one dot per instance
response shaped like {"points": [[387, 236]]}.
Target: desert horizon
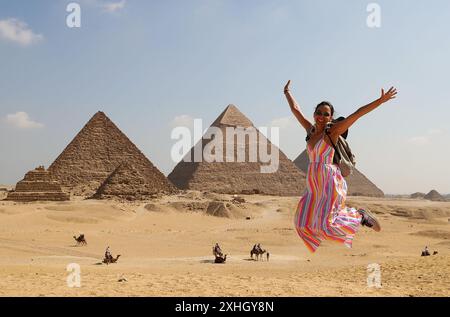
{"points": [[160, 253]]}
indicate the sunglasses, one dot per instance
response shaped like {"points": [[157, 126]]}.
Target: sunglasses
{"points": [[325, 114]]}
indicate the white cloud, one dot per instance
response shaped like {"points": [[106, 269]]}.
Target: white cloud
{"points": [[22, 120], [108, 6], [425, 139], [435, 131], [18, 31], [418, 140], [114, 6]]}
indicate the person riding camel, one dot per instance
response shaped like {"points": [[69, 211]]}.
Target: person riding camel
{"points": [[218, 250], [108, 254], [258, 248]]}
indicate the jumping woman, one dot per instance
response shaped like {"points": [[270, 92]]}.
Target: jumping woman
{"points": [[321, 213]]}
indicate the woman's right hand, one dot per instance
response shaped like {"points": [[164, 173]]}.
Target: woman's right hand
{"points": [[286, 88]]}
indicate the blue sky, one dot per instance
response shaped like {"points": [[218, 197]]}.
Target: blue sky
{"points": [[151, 64]]}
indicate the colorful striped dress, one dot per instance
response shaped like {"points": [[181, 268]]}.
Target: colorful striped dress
{"points": [[321, 213]]}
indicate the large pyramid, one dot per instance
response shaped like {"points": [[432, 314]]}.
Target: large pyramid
{"points": [[96, 152], [357, 183], [238, 177]]}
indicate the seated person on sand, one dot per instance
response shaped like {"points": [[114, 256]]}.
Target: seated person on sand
{"points": [[425, 252], [218, 254]]}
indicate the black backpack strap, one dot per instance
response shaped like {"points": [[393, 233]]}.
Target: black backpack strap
{"points": [[308, 136], [327, 132]]}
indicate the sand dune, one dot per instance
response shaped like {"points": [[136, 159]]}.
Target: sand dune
{"points": [[165, 246]]}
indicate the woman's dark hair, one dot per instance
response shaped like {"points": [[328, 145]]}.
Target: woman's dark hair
{"points": [[325, 103]]}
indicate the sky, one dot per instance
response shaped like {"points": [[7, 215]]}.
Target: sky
{"points": [[154, 65]]}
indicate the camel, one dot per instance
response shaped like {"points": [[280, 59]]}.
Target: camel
{"points": [[108, 260], [220, 259], [259, 252], [80, 240]]}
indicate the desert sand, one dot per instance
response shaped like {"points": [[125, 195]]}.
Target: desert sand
{"points": [[165, 246]]}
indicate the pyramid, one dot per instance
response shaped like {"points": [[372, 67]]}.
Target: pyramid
{"points": [[237, 177], [357, 183], [417, 195], [125, 182], [434, 195], [96, 152], [37, 185]]}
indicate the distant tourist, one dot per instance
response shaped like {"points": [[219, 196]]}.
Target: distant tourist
{"points": [[218, 254], [109, 258], [425, 252], [108, 254], [217, 251], [321, 213]]}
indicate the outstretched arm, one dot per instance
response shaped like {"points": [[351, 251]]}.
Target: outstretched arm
{"points": [[295, 108], [342, 126]]}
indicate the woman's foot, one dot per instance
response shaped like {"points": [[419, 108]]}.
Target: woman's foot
{"points": [[369, 220]]}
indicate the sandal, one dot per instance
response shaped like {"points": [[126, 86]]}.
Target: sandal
{"points": [[369, 220]]}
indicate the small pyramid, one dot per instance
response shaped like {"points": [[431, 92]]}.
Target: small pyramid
{"points": [[126, 182], [95, 153], [434, 196], [37, 185], [357, 183], [417, 195], [231, 176]]}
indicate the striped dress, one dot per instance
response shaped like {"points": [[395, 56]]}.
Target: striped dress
{"points": [[321, 213]]}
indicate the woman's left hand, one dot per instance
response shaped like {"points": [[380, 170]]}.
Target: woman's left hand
{"points": [[390, 94]]}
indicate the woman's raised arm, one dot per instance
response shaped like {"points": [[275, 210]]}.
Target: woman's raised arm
{"points": [[295, 108], [342, 126]]}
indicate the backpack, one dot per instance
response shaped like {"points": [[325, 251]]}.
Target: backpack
{"points": [[343, 157]]}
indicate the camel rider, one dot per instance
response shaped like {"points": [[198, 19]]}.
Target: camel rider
{"points": [[108, 253], [218, 250], [258, 247]]}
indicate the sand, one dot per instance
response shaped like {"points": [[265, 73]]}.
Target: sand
{"points": [[166, 249]]}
